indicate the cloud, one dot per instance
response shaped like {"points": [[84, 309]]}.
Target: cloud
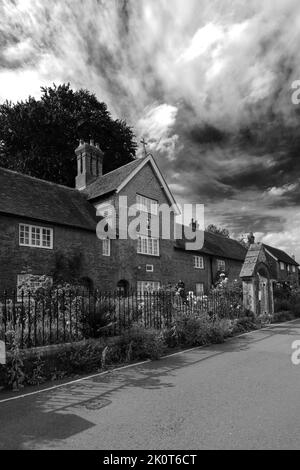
{"points": [[209, 88]]}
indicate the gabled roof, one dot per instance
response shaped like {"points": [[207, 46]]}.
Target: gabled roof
{"points": [[116, 180], [217, 245], [111, 181], [281, 255], [37, 199]]}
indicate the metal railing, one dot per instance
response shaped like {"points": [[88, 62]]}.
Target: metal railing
{"points": [[61, 316]]}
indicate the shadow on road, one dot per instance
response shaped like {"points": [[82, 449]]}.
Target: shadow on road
{"points": [[64, 412]]}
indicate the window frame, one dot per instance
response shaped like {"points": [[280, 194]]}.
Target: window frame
{"points": [[282, 266], [146, 252], [223, 262], [199, 265], [153, 290], [35, 232], [203, 288], [142, 206], [107, 253]]}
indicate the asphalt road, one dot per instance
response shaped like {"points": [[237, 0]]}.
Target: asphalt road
{"points": [[244, 394]]}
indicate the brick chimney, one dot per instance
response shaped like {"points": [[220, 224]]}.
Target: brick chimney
{"points": [[89, 164], [194, 225], [251, 239]]}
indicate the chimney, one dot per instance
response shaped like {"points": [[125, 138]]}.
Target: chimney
{"points": [[89, 163], [251, 239], [194, 225]]}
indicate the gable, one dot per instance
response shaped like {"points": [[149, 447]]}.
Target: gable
{"points": [[145, 183], [117, 180]]}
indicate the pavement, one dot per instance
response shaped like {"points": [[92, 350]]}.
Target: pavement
{"points": [[243, 394]]}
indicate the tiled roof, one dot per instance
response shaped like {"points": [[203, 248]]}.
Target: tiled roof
{"points": [[41, 200], [111, 181], [217, 245], [281, 255]]}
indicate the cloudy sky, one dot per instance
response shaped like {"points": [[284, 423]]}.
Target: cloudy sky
{"points": [[206, 82]]}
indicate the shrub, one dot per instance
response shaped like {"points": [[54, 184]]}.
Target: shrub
{"points": [[283, 305], [283, 316], [244, 324], [143, 343]]}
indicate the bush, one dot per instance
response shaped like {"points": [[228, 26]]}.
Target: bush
{"points": [[244, 324], [139, 342], [283, 305], [197, 330], [280, 317]]}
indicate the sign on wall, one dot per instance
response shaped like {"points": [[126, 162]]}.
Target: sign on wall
{"points": [[2, 353]]}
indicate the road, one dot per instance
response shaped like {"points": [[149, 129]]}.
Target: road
{"points": [[243, 394]]}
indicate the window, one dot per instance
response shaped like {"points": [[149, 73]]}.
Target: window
{"points": [[147, 286], [148, 246], [199, 289], [30, 283], [34, 236], [106, 247], [145, 204], [221, 265], [294, 269], [198, 262], [282, 266], [288, 268], [149, 268]]}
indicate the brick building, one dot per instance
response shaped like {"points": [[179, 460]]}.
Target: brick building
{"points": [[50, 230]]}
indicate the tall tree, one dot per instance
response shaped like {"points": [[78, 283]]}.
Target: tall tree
{"points": [[218, 230], [38, 137]]}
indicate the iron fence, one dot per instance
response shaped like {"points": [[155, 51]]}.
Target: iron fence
{"points": [[63, 316]]}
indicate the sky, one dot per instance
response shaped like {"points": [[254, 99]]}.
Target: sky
{"points": [[206, 82]]}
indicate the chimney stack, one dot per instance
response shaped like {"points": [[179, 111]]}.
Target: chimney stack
{"points": [[194, 225], [89, 163], [251, 239]]}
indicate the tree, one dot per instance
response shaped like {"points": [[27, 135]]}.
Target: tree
{"points": [[218, 230], [38, 137]]}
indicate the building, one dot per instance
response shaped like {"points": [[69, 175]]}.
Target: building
{"points": [[284, 268], [50, 230]]}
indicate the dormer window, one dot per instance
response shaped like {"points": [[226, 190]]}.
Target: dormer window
{"points": [[282, 266]]}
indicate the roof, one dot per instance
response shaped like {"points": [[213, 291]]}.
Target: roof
{"points": [[281, 255], [34, 198], [254, 255], [217, 245], [116, 180], [111, 181]]}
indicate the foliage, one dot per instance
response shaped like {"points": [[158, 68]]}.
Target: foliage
{"points": [[37, 375], [15, 367], [197, 330], [139, 342], [218, 230], [38, 136]]}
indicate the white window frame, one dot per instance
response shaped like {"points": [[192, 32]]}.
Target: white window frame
{"points": [[33, 236], [288, 268], [202, 290], [35, 283], [149, 268], [106, 247], [294, 269], [223, 263], [146, 204], [148, 286], [282, 266], [146, 245], [198, 262]]}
